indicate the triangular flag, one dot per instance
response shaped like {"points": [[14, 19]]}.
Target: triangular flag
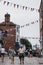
{"points": [[23, 7], [26, 7], [17, 6], [27, 24], [32, 22], [7, 3], [14, 5], [4, 2], [36, 37], [37, 20], [32, 9]]}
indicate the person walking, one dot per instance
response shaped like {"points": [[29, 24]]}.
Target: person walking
{"points": [[2, 53], [21, 54], [11, 54]]}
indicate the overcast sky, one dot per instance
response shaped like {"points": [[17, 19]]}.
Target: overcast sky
{"points": [[22, 17]]}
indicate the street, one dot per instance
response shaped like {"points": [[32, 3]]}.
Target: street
{"points": [[27, 61]]}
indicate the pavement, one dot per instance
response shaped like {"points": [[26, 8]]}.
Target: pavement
{"points": [[27, 61]]}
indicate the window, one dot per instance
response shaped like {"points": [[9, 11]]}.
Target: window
{"points": [[18, 29]]}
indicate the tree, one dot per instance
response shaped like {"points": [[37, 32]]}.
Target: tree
{"points": [[26, 43]]}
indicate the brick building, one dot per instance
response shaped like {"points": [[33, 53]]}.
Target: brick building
{"points": [[11, 30]]}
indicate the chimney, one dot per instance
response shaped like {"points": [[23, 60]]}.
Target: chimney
{"points": [[7, 18]]}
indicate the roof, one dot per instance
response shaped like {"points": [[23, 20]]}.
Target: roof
{"points": [[10, 23]]}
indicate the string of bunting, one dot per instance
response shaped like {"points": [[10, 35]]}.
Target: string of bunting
{"points": [[29, 24], [20, 6], [32, 37]]}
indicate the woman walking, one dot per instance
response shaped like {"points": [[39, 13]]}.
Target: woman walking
{"points": [[21, 54], [11, 54]]}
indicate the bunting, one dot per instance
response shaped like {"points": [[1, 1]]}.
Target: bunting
{"points": [[20, 6], [32, 37], [17, 6], [32, 9], [14, 5], [26, 7], [28, 24], [7, 3], [4, 2], [23, 7]]}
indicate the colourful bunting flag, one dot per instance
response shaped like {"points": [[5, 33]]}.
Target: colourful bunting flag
{"points": [[26, 8], [7, 3], [23, 7], [4, 2], [17, 6], [14, 5], [32, 37], [32, 9], [37, 10], [37, 20], [29, 24], [32, 22]]}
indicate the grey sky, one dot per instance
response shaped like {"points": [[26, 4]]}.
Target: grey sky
{"points": [[22, 17]]}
